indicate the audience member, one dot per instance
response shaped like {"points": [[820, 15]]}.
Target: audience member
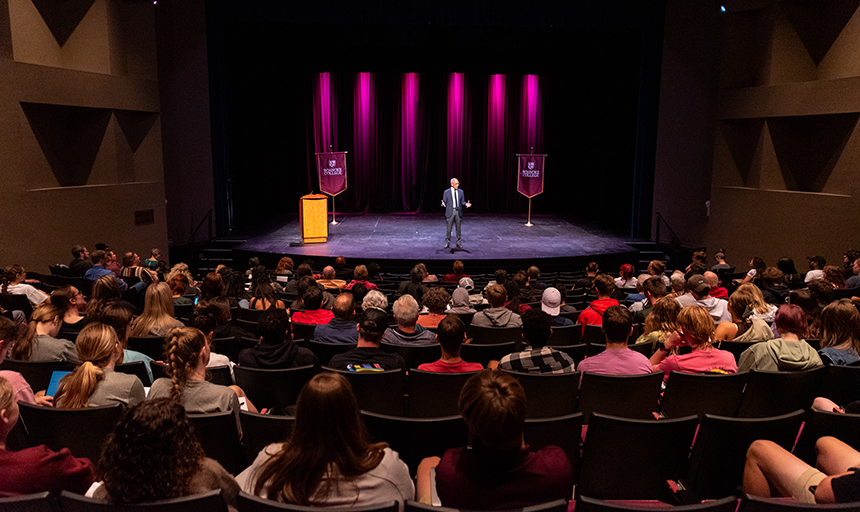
{"points": [[36, 469], [460, 302], [661, 322], [120, 316], [407, 331], [341, 271], [840, 333], [816, 268], [564, 308], [276, 349], [834, 276], [213, 287], [22, 392], [329, 281], [304, 283], [131, 267], [371, 299], [94, 382], [657, 268], [499, 277], [497, 315], [744, 327], [789, 272], [105, 291], [811, 308], [80, 262], [696, 330], [313, 313], [514, 296], [550, 303], [435, 300], [787, 353], [428, 277], [341, 328], [717, 291], [853, 281], [591, 271], [303, 270], [538, 357], [604, 285], [285, 266], [15, 283], [457, 274], [263, 294], [771, 470], [204, 318], [451, 335], [153, 454], [413, 287], [224, 328], [153, 260], [360, 277], [617, 359], [158, 317], [328, 460], [178, 286], [699, 294], [359, 292], [757, 266], [654, 289], [699, 257], [533, 284], [99, 269], [720, 258], [501, 471], [678, 284], [71, 303], [626, 278], [41, 343], [639, 296], [367, 356]]}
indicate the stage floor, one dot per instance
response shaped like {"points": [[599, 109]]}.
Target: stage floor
{"points": [[374, 237]]}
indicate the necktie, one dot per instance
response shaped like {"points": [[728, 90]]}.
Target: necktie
{"points": [[454, 192]]}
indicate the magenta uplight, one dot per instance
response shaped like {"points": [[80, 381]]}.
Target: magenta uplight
{"points": [[457, 125]]}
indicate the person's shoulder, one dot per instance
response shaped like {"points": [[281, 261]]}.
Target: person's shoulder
{"points": [[160, 387]]}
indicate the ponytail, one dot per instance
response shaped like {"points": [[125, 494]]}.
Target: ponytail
{"points": [[10, 273], [96, 345]]}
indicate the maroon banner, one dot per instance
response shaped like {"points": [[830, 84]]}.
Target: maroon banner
{"points": [[331, 170], [530, 170]]}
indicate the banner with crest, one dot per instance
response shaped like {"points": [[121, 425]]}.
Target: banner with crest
{"points": [[530, 171], [331, 170]]}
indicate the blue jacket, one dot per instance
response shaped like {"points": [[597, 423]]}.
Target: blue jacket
{"points": [[449, 202]]}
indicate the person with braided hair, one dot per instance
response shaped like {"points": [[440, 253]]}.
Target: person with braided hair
{"points": [[187, 356], [94, 382]]}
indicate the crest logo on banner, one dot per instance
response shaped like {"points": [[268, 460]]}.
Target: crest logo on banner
{"points": [[331, 171], [530, 174]]}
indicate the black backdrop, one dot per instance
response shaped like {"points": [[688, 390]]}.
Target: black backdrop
{"points": [[598, 67]]}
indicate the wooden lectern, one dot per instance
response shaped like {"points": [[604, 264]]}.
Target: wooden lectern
{"points": [[313, 217]]}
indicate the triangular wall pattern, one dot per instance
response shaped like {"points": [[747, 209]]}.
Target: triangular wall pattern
{"points": [[70, 138], [818, 23], [62, 18], [808, 147], [135, 125], [742, 137]]}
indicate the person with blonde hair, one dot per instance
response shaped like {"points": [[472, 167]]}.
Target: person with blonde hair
{"points": [[158, 316], [94, 382], [745, 327], [36, 469], [660, 322], [328, 459], [696, 330], [840, 333], [41, 343], [188, 353], [760, 309]]}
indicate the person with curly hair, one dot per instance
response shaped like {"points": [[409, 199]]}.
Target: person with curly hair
{"points": [[153, 454], [834, 276], [328, 459], [188, 353], [41, 343], [38, 468], [94, 382], [661, 322], [435, 300], [285, 266]]}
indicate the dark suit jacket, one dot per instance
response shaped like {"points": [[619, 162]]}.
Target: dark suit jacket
{"points": [[449, 202]]}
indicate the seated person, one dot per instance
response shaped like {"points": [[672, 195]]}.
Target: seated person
{"points": [[367, 355], [224, 328], [407, 333], [617, 359], [15, 283], [71, 304], [840, 333], [550, 303], [661, 322], [178, 286], [328, 460], [263, 294], [95, 383], [770, 470], [788, 353], [413, 287], [81, 262], [457, 274], [313, 313], [717, 291], [653, 289], [537, 358], [204, 318], [497, 315], [153, 454], [341, 328], [773, 287], [304, 283], [451, 334], [500, 472], [371, 299], [699, 293], [360, 277], [120, 316], [37, 469], [460, 303], [276, 349], [41, 343], [696, 330], [435, 300], [21, 390], [604, 287], [328, 279], [745, 327]]}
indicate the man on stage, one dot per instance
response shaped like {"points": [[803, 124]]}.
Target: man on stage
{"points": [[453, 199]]}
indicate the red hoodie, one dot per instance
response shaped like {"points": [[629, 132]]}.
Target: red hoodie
{"points": [[593, 314]]}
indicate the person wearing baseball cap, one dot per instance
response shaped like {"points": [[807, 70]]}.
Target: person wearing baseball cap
{"points": [[367, 356], [699, 293], [550, 303]]}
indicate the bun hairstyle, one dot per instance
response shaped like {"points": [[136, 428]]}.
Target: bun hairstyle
{"points": [[183, 348], [96, 344], [43, 314]]}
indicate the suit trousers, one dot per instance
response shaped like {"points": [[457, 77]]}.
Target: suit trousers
{"points": [[454, 219]]}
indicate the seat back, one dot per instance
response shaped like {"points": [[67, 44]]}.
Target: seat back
{"points": [[39, 502], [414, 356], [249, 325], [593, 334], [82, 431], [250, 503], [152, 347], [549, 394], [841, 384], [479, 353], [735, 347], [416, 438], [273, 389], [251, 315], [182, 311], [465, 317], [700, 394], [775, 393], [717, 461], [565, 335], [325, 351], [627, 396], [576, 352], [379, 392], [261, 430], [845, 427], [632, 459], [495, 335], [36, 373], [220, 375], [303, 331], [212, 501], [562, 431], [434, 394], [227, 346], [559, 505], [587, 504], [219, 435], [138, 369], [20, 302]]}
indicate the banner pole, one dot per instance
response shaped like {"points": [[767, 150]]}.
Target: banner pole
{"points": [[333, 213], [529, 223]]}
